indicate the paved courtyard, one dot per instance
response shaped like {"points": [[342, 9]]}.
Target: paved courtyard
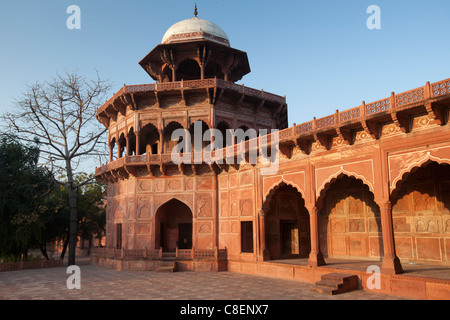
{"points": [[99, 283]]}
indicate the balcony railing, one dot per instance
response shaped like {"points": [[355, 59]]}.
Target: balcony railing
{"points": [[152, 254], [371, 110], [194, 84]]}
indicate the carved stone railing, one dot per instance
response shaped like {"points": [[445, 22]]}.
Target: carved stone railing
{"points": [[192, 84], [181, 254], [440, 88], [394, 103], [24, 265]]}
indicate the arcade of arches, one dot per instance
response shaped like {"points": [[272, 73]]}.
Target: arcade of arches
{"points": [[368, 183]]}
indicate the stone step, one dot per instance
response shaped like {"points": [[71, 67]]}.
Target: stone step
{"points": [[166, 267], [330, 284], [341, 277], [336, 283], [169, 256], [324, 290]]}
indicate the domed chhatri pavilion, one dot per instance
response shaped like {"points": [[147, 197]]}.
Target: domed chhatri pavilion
{"points": [[368, 184]]}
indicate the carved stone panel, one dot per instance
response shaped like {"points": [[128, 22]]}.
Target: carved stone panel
{"points": [[246, 206], [174, 184], [145, 185], [204, 227], [357, 225], [224, 204], [144, 228], [204, 203]]}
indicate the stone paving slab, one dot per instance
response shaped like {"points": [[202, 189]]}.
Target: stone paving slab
{"points": [[99, 283]]}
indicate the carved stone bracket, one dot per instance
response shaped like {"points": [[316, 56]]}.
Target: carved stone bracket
{"points": [[239, 101], [371, 128], [259, 106], [305, 145], [403, 121], [130, 170], [163, 169], [345, 134], [436, 111], [323, 140], [286, 150]]}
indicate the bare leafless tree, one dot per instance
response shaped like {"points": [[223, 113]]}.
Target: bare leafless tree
{"points": [[61, 115]]}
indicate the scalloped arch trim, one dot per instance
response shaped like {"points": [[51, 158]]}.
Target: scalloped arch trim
{"points": [[403, 174], [342, 172]]}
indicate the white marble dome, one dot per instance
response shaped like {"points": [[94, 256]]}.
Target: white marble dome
{"points": [[195, 29]]}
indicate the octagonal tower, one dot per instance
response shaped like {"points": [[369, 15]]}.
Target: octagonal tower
{"points": [[152, 202]]}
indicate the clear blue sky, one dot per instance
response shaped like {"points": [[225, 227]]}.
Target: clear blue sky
{"points": [[320, 54]]}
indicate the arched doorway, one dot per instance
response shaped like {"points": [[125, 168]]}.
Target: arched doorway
{"points": [[421, 215], [168, 143], [224, 129], [350, 221], [132, 142], [173, 226], [197, 128], [149, 139], [287, 232], [188, 69], [122, 145]]}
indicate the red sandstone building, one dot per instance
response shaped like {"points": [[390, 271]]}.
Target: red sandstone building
{"points": [[371, 183]]}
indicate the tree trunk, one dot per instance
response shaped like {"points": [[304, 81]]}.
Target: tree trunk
{"points": [[63, 252], [72, 214], [43, 248]]}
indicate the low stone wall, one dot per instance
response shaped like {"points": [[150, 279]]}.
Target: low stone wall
{"points": [[152, 265], [398, 285], [24, 265], [146, 259]]}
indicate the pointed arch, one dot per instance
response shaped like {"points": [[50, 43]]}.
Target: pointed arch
{"points": [[413, 167], [168, 143], [122, 145], [223, 126], [350, 219], [149, 139], [175, 197], [188, 69], [277, 185], [320, 192], [194, 138], [420, 206], [132, 141], [173, 225], [286, 223]]}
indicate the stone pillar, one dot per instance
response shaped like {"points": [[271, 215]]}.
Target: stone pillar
{"points": [[173, 74], [110, 153], [315, 256], [137, 143], [202, 71], [391, 263], [127, 139], [118, 149], [161, 142], [263, 252]]}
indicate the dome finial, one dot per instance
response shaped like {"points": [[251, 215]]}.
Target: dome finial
{"points": [[195, 10]]}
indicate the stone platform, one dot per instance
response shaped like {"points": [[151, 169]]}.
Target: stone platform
{"points": [[418, 282]]}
